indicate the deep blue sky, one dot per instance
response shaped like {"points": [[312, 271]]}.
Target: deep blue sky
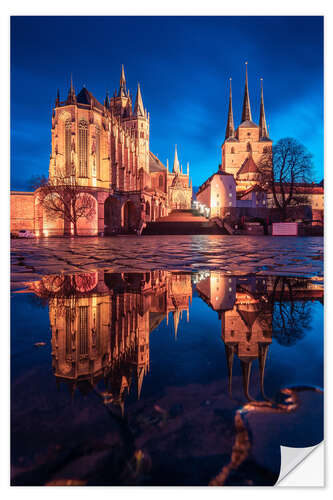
{"points": [[183, 65]]}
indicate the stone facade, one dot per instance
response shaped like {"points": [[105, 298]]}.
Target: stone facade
{"points": [[22, 211], [104, 149], [218, 192]]}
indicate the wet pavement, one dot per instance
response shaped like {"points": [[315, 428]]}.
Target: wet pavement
{"points": [[298, 256]]}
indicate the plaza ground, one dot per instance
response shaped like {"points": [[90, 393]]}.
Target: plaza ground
{"points": [[301, 256]]}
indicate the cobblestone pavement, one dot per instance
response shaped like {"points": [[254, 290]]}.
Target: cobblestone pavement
{"points": [[300, 256]]}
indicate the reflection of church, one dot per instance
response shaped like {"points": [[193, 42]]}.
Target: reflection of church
{"points": [[101, 325], [101, 322], [246, 320]]}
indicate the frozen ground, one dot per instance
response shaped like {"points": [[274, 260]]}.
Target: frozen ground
{"points": [[302, 256]]}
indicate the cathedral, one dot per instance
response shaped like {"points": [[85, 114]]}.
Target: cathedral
{"points": [[104, 150]]}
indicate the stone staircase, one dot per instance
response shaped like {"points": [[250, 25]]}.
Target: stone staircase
{"points": [[183, 222]]}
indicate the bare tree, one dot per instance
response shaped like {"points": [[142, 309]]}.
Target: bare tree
{"points": [[63, 198], [287, 164]]}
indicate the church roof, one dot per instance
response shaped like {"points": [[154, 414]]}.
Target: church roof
{"points": [[86, 97], [155, 165], [232, 139], [248, 167], [248, 124]]}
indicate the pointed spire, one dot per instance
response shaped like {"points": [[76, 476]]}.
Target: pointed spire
{"points": [[230, 130], [71, 99], [138, 106], [175, 169], [167, 164], [188, 169], [262, 120], [122, 83], [246, 114], [57, 102], [107, 100]]}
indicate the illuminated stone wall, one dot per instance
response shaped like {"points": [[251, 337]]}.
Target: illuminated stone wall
{"points": [[22, 211]]}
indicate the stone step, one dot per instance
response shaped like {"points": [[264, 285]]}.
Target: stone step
{"points": [[205, 227]]}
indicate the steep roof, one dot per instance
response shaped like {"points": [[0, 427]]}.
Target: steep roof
{"points": [[86, 97], [248, 124], [206, 183], [249, 167], [155, 165]]}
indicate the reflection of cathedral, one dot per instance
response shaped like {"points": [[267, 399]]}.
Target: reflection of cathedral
{"points": [[101, 325], [101, 322]]}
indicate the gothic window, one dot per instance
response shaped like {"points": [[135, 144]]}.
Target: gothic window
{"points": [[98, 153], [83, 149], [142, 135], [68, 331], [248, 147], [83, 330], [160, 181], [68, 134], [232, 150]]}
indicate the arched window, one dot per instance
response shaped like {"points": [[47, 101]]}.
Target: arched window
{"points": [[248, 147], [160, 181], [232, 150], [147, 208], [83, 149], [68, 137], [98, 152]]}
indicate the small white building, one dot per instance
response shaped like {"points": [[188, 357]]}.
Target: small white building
{"points": [[219, 191]]}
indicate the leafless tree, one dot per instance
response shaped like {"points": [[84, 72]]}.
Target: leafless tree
{"points": [[291, 164], [62, 197]]}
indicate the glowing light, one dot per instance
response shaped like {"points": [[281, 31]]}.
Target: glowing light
{"points": [[46, 233]]}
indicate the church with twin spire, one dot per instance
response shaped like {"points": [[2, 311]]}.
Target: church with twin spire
{"points": [[243, 148], [246, 156]]}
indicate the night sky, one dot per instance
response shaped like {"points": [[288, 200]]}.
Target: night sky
{"points": [[183, 65]]}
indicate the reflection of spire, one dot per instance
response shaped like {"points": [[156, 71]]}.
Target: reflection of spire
{"points": [[229, 352], [263, 350], [246, 371], [176, 321], [140, 376]]}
